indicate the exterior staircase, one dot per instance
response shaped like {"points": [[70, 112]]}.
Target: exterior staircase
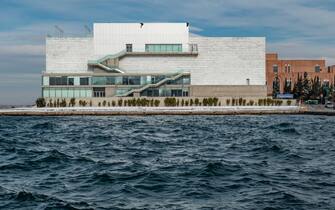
{"points": [[100, 61], [139, 90]]}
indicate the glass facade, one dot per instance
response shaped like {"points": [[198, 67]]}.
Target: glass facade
{"points": [[124, 84], [67, 92], [163, 48]]}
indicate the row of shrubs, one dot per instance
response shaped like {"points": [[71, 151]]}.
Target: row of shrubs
{"points": [[192, 102], [170, 102]]}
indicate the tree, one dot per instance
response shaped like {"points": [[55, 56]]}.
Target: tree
{"points": [[72, 102], [306, 87], [298, 88], [316, 88], [287, 86], [275, 87], [40, 102]]}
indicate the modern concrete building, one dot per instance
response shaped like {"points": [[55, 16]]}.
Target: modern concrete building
{"points": [[153, 59], [289, 69]]}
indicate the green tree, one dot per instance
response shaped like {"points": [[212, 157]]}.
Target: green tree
{"points": [[275, 87], [298, 88], [287, 86], [306, 87], [40, 102]]}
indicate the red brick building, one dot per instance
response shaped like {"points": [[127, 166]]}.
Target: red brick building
{"points": [[289, 70]]}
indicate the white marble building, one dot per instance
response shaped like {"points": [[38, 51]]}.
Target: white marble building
{"points": [[153, 59]]}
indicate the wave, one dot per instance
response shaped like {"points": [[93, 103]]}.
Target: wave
{"points": [[44, 126]]}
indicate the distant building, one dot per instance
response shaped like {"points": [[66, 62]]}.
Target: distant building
{"points": [[290, 69], [154, 60]]}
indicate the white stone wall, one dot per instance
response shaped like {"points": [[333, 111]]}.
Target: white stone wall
{"points": [[221, 61], [111, 38], [68, 54]]}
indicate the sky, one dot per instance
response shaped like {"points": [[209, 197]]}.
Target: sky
{"points": [[293, 28]]}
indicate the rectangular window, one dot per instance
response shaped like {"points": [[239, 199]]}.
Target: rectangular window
{"points": [[163, 47], [99, 80], [129, 47], [70, 81], [317, 68], [275, 68], [58, 81], [99, 92], [84, 81], [135, 80]]}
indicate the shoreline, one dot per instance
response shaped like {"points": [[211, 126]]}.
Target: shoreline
{"points": [[195, 110]]}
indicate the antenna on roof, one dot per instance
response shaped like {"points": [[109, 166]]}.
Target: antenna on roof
{"points": [[142, 24], [60, 31], [187, 24], [89, 31]]}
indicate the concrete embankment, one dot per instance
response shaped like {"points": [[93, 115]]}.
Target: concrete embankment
{"points": [[223, 110]]}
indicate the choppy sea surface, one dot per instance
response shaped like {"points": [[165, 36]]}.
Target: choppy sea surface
{"points": [[167, 162]]}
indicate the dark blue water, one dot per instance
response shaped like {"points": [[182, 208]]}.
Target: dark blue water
{"points": [[167, 162]]}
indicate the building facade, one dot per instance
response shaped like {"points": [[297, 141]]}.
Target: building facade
{"points": [[153, 60], [288, 70]]}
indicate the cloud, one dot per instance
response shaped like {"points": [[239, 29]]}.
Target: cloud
{"points": [[294, 28]]}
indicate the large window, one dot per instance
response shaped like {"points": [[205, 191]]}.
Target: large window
{"points": [[99, 80], [163, 48], [70, 81], [58, 81], [84, 81]]}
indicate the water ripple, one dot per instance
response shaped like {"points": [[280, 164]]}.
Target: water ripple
{"points": [[167, 162]]}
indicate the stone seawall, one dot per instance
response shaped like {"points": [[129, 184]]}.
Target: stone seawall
{"points": [[223, 110]]}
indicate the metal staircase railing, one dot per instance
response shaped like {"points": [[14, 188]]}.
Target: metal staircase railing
{"points": [[139, 90], [100, 61]]}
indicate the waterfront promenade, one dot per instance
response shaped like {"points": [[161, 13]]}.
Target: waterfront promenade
{"points": [[194, 110]]}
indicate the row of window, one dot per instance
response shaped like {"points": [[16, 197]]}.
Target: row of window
{"points": [[287, 68], [67, 81], [116, 80], [67, 92], [161, 48]]}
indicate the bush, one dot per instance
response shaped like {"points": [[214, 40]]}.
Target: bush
{"points": [[182, 102], [63, 103], [104, 103], [72, 102], [289, 102], [170, 102], [251, 102], [50, 104], [227, 102], [191, 102], [233, 102], [196, 101], [40, 102], [90, 103], [205, 102], [120, 102], [215, 101], [157, 102], [99, 104], [244, 102], [240, 101], [186, 103]]}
